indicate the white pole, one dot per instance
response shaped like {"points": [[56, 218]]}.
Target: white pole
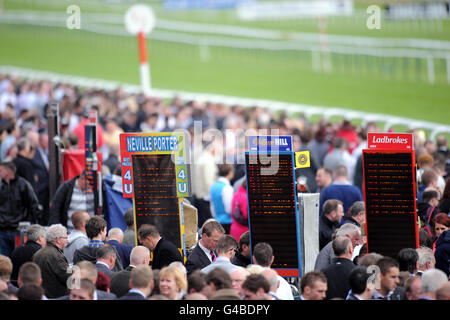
{"points": [[430, 67], [448, 69]]}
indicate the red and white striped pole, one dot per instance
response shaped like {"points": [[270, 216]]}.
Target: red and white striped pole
{"points": [[140, 19], [144, 67]]}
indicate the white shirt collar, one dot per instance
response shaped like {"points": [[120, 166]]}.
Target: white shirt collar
{"points": [[206, 250]]}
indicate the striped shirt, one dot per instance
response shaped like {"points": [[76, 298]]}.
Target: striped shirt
{"points": [[80, 201]]}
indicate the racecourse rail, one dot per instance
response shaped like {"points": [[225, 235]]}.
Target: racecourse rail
{"points": [[290, 108]]}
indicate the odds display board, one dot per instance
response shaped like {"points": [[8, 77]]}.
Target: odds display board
{"points": [[389, 190], [272, 198], [155, 173], [91, 161]]}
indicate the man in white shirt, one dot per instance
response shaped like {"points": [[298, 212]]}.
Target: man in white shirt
{"points": [[263, 256]]}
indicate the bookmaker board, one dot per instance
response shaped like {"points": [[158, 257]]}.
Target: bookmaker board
{"points": [[272, 198], [389, 190], [155, 173]]}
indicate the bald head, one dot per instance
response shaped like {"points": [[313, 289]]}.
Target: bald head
{"points": [[140, 255], [271, 276]]}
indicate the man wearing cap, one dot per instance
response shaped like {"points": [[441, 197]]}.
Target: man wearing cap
{"points": [[18, 202]]}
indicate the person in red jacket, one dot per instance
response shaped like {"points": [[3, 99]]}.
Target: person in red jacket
{"points": [[79, 131]]}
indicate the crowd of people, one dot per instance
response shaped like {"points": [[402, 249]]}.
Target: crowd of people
{"points": [[70, 254]]}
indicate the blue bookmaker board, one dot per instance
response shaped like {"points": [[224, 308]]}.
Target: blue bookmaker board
{"points": [[272, 201]]}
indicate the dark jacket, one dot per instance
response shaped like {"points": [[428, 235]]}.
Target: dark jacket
{"points": [[61, 202], [120, 282], [104, 269], [445, 206], [22, 254], [132, 296], [90, 254], [18, 202], [241, 260], [424, 210], [197, 260], [326, 229], [123, 250], [165, 253], [24, 169], [54, 267], [101, 295], [337, 277], [442, 253], [348, 219]]}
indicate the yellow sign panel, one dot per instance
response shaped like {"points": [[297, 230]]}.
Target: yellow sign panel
{"points": [[302, 159]]}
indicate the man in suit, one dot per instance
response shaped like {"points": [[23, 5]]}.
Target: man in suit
{"points": [[141, 283], [115, 238], [41, 167], [120, 281], [203, 253], [226, 249], [337, 273], [106, 259], [164, 251]]}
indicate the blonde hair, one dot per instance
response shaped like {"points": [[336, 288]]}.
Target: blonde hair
{"points": [[255, 268], [180, 278]]}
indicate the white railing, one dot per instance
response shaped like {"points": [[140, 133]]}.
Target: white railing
{"points": [[215, 35]]}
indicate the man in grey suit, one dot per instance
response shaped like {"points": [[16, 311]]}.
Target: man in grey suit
{"points": [[106, 259]]}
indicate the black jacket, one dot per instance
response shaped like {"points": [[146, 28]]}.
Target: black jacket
{"points": [[132, 296], [337, 277], [165, 253], [18, 202], [241, 260], [197, 260], [120, 282], [25, 169], [326, 229], [54, 267], [90, 254], [22, 254], [442, 253], [61, 202]]}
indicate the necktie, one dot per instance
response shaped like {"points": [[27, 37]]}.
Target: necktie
{"points": [[213, 256]]}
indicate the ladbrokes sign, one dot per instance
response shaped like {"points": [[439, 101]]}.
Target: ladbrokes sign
{"points": [[396, 141]]}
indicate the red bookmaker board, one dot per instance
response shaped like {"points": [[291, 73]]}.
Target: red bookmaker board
{"points": [[389, 190]]}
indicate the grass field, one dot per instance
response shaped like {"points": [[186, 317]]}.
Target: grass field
{"points": [[283, 76]]}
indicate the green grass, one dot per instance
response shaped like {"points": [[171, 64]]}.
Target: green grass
{"points": [[277, 76]]}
